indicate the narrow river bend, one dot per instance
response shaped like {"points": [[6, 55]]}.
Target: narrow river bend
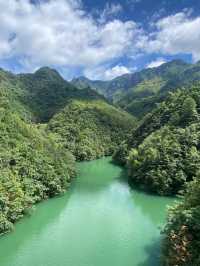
{"points": [[100, 221]]}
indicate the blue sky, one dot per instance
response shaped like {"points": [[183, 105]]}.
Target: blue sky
{"points": [[97, 38]]}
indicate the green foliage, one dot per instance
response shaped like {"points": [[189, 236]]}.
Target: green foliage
{"points": [[181, 243], [163, 151], [157, 83], [91, 129], [166, 159], [33, 167], [47, 93]]}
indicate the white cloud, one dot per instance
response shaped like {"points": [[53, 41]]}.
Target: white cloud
{"points": [[60, 33], [111, 10], [176, 34], [106, 72], [156, 63], [116, 71]]}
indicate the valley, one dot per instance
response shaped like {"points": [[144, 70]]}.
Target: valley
{"points": [[147, 121]]}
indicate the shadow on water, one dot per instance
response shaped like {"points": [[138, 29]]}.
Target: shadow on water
{"points": [[152, 205], [153, 254]]}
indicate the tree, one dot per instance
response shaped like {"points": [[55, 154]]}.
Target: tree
{"points": [[189, 111]]}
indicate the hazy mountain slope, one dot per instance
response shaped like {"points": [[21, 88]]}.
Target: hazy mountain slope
{"points": [[138, 93], [154, 91], [145, 82]]}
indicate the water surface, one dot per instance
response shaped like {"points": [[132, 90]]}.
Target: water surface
{"points": [[100, 221]]}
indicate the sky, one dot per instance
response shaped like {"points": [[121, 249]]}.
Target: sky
{"points": [[96, 38]]}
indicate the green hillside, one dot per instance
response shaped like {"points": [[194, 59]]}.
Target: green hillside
{"points": [[139, 93], [91, 129], [33, 167], [47, 92], [163, 152], [146, 82], [181, 243]]}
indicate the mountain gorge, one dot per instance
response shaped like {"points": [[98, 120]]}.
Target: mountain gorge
{"points": [[43, 121], [148, 121]]}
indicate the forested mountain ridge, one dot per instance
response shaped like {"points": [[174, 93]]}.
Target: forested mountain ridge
{"points": [[38, 96], [47, 92], [137, 82], [139, 92], [143, 98]]}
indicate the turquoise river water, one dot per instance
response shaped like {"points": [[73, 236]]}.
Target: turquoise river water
{"points": [[100, 221]]}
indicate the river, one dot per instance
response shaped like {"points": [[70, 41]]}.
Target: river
{"points": [[100, 221]]}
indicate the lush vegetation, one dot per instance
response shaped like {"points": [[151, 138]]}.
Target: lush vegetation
{"points": [[163, 152], [46, 93], [36, 160], [33, 167], [181, 243], [91, 129]]}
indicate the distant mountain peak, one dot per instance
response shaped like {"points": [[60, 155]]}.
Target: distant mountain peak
{"points": [[47, 72]]}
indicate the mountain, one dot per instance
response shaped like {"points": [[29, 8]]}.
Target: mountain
{"points": [[138, 93], [91, 128], [112, 90], [143, 83], [163, 151], [47, 92], [38, 96], [45, 97], [144, 97]]}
